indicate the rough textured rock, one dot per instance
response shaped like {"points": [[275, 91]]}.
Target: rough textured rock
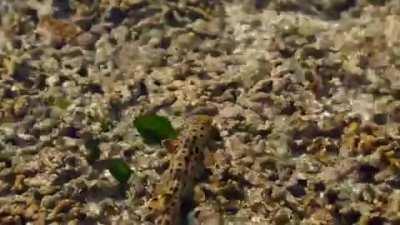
{"points": [[305, 95]]}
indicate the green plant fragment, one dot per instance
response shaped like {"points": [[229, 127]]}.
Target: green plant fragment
{"points": [[119, 170], [154, 128]]}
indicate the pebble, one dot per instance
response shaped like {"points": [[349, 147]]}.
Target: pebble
{"points": [[86, 40]]}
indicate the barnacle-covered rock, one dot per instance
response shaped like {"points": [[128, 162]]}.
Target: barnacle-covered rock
{"points": [[204, 215], [304, 95]]}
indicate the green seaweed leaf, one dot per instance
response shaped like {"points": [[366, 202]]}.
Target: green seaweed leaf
{"points": [[154, 128], [119, 170]]}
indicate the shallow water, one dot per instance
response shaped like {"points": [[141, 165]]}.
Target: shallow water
{"points": [[304, 96]]}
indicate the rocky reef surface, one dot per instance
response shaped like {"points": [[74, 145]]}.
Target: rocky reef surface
{"points": [[304, 93]]}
